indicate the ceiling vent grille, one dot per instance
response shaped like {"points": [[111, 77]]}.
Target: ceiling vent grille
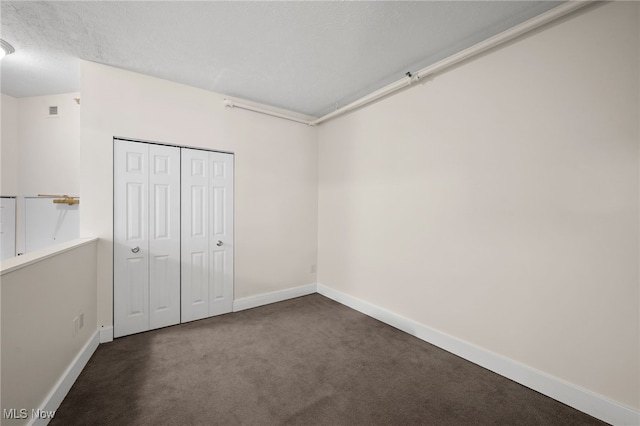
{"points": [[53, 111]]}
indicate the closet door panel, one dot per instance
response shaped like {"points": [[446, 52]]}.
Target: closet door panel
{"points": [[131, 239], [195, 230], [221, 238], [164, 236]]}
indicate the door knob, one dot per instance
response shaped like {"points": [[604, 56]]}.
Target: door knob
{"points": [[135, 249], [219, 243]]}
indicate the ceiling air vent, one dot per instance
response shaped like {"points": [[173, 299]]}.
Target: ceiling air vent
{"points": [[53, 111]]}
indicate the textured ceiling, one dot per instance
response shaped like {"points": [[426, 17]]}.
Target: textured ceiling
{"points": [[307, 57]]}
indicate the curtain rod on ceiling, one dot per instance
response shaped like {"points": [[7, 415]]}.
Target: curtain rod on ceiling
{"points": [[430, 71]]}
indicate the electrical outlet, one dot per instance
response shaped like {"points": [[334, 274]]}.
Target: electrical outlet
{"points": [[81, 320], [76, 321]]}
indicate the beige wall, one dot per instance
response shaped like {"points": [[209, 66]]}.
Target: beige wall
{"points": [[39, 303], [9, 146], [498, 202], [49, 148], [39, 154], [275, 173]]}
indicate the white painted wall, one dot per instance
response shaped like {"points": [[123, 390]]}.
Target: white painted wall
{"points": [[41, 294], [275, 173], [498, 202], [9, 146], [49, 148], [39, 154]]}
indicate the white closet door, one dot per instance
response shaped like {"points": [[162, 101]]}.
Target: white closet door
{"points": [[164, 236], [207, 234], [131, 239], [221, 241], [195, 234], [146, 237]]}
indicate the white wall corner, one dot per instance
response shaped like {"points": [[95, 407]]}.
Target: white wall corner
{"points": [[574, 396], [273, 297], [106, 334], [68, 378]]}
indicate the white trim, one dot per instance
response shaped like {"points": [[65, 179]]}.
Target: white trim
{"points": [[574, 396], [106, 334], [273, 297], [68, 378]]}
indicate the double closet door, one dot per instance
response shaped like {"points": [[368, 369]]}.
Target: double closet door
{"points": [[173, 235]]}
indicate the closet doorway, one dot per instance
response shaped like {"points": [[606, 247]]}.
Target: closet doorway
{"points": [[173, 235]]}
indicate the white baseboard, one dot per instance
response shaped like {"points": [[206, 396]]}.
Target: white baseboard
{"points": [[273, 297], [68, 378], [106, 334], [574, 396]]}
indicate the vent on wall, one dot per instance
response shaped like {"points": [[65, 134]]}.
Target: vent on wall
{"points": [[53, 111]]}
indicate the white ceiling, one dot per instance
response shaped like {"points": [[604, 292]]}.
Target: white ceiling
{"points": [[307, 57]]}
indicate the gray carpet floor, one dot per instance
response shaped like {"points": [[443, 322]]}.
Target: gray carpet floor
{"points": [[305, 361]]}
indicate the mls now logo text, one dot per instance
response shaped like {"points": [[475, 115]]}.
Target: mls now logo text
{"points": [[23, 413]]}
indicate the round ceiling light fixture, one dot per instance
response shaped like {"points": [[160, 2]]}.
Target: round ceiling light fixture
{"points": [[7, 49]]}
